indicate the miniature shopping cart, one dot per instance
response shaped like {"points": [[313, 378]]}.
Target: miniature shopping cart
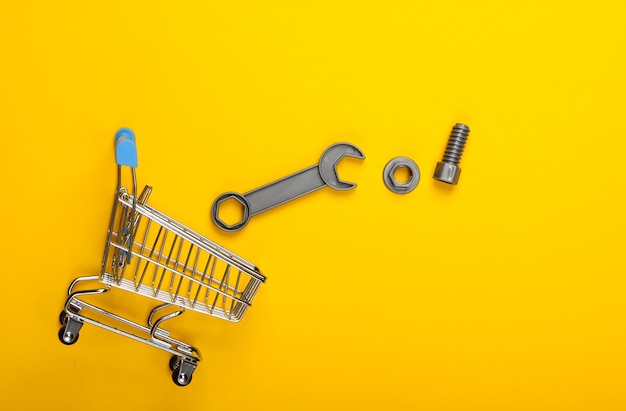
{"points": [[150, 254]]}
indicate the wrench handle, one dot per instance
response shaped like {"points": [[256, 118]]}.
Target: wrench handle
{"points": [[281, 191], [269, 196]]}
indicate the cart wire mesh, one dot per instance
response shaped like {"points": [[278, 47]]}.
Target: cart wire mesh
{"points": [[151, 254]]}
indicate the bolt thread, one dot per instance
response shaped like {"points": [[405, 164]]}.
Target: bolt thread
{"points": [[456, 144]]}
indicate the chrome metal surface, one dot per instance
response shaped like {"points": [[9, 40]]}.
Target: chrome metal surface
{"points": [[150, 254], [174, 264]]}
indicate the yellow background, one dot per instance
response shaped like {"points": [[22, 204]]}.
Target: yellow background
{"points": [[505, 292]]}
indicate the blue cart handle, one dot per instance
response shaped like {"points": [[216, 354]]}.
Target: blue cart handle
{"points": [[125, 148]]}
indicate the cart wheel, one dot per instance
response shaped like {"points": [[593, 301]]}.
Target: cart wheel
{"points": [[173, 362], [179, 379], [62, 317], [67, 338]]}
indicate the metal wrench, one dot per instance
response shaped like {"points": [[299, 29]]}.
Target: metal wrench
{"points": [[288, 188]]}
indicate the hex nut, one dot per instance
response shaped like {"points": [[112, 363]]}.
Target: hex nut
{"points": [[395, 185]]}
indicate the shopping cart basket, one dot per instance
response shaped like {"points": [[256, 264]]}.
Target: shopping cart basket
{"points": [[153, 255]]}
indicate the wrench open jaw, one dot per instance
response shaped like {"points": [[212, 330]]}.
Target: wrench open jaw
{"points": [[288, 188], [328, 164]]}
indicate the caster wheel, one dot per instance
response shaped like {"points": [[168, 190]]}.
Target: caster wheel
{"points": [[62, 317], [67, 338], [173, 362], [181, 380]]}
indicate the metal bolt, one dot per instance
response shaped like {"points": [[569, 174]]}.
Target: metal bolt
{"points": [[448, 169]]}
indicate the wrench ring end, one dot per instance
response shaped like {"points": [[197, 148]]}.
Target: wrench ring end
{"points": [[216, 207]]}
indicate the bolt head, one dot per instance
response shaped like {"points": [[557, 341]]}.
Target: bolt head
{"points": [[447, 173]]}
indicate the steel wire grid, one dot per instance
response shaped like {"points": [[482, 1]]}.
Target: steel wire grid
{"points": [[174, 264], [150, 254]]}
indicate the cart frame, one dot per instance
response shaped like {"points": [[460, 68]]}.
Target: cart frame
{"points": [[143, 249]]}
